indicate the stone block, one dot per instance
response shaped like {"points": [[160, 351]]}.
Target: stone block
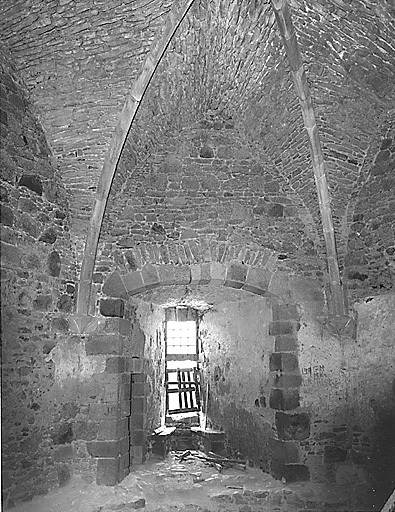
{"points": [[114, 286], [110, 389], [137, 342], [138, 377], [206, 152], [275, 361], [293, 426], [138, 405], [124, 445], [124, 467], [137, 437], [96, 344], [182, 274], [283, 451], [166, 275], [286, 381], [49, 236], [137, 364], [284, 361], [60, 324], [108, 471], [257, 281], [134, 283], [65, 302], [115, 364], [136, 421], [98, 277], [85, 430], [285, 312], [54, 264], [6, 216], [64, 474], [200, 274], [42, 302], [150, 276], [63, 453], [3, 117], [284, 399], [217, 273], [205, 273], [62, 432], [104, 410], [138, 389], [290, 472], [117, 326], [286, 343], [112, 307], [334, 454], [236, 275], [275, 210], [10, 255], [32, 182], [105, 449], [281, 327], [125, 391], [126, 408], [112, 429], [138, 454]]}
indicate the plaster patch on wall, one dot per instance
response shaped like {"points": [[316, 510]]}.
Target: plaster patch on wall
{"points": [[71, 361]]}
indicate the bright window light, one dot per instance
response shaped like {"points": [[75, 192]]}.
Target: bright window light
{"points": [[181, 337]]}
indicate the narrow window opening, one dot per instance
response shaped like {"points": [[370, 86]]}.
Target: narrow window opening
{"points": [[182, 365]]}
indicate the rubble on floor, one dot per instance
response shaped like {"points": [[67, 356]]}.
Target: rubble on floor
{"points": [[192, 481]]}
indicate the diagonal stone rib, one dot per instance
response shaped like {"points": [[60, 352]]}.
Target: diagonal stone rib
{"points": [[114, 151], [284, 22]]}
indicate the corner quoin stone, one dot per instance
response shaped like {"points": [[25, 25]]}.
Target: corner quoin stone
{"points": [[284, 399], [112, 307], [108, 471], [293, 426], [284, 361]]}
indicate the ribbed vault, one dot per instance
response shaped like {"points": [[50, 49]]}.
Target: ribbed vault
{"points": [[225, 69]]}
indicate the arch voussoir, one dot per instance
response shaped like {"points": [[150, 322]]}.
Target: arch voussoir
{"points": [[233, 275]]}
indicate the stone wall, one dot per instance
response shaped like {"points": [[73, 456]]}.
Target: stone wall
{"points": [[207, 186], [350, 73], [236, 350], [347, 391], [150, 319], [316, 405], [370, 261], [38, 288], [78, 60]]}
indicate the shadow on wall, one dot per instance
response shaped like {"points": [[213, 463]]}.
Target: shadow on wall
{"points": [[245, 436], [383, 451]]}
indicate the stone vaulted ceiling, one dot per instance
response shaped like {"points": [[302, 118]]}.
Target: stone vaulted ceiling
{"points": [[223, 86]]}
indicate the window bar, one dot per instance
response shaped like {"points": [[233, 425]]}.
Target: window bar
{"points": [[191, 389], [197, 386], [179, 387], [167, 396], [184, 392]]}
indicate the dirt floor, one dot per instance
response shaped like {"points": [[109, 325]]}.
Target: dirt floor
{"points": [[193, 485]]}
